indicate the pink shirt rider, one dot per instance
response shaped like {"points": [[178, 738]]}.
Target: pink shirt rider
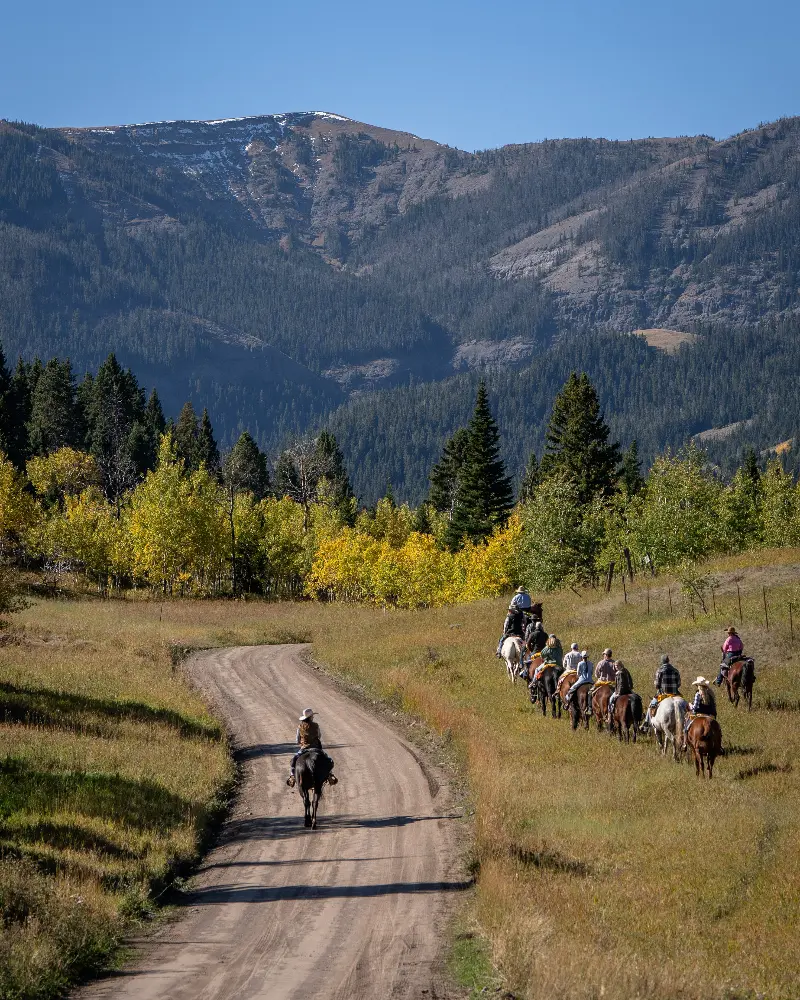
{"points": [[733, 644]]}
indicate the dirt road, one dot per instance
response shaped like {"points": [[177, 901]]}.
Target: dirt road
{"points": [[351, 911]]}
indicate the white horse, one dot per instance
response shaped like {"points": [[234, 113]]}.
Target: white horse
{"points": [[512, 652], [667, 723]]}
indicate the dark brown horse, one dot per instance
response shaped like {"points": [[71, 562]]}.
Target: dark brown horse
{"points": [[704, 739], [739, 681], [577, 706], [312, 771], [627, 715], [600, 699], [547, 690]]}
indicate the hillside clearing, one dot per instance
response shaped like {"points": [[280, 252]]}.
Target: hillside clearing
{"points": [[668, 341]]}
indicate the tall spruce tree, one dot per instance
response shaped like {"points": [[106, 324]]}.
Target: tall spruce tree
{"points": [[445, 476], [577, 444], [485, 495], [6, 407], [154, 425], [186, 435], [331, 465], [56, 419], [19, 414], [245, 468], [207, 451]]}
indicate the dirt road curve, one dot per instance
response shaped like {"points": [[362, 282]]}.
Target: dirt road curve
{"points": [[350, 911]]}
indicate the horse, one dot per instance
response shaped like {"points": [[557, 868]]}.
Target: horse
{"points": [[740, 677], [512, 651], [704, 739], [599, 706], [547, 689], [666, 721], [577, 705], [627, 714], [311, 772]]}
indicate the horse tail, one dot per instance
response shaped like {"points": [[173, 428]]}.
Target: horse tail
{"points": [[635, 702], [748, 672]]}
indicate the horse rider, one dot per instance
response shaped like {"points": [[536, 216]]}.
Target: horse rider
{"points": [[732, 650], [585, 670], [535, 636], [552, 656], [521, 599], [515, 619], [623, 684], [571, 659], [309, 737], [604, 673], [667, 680], [703, 703]]}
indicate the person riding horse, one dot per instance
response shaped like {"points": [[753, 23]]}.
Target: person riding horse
{"points": [[667, 680], [535, 637], [552, 656], [516, 619], [623, 684], [309, 737], [732, 650], [571, 659], [585, 670], [703, 703], [604, 673]]}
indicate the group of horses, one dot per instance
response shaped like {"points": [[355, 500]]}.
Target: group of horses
{"points": [[666, 720]]}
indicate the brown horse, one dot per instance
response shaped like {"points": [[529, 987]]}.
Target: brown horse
{"points": [[704, 739], [627, 715], [739, 681], [600, 699], [578, 709]]}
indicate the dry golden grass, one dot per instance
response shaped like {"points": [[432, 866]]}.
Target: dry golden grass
{"points": [[604, 870]]}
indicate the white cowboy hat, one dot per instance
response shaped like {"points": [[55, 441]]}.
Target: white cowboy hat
{"points": [[584, 652], [308, 713], [574, 646], [520, 590], [700, 682]]}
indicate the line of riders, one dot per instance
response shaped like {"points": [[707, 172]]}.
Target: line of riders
{"points": [[524, 620]]}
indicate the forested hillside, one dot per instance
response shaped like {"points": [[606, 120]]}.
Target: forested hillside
{"points": [[292, 271]]}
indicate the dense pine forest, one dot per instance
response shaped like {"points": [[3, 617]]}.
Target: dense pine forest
{"points": [[293, 273]]}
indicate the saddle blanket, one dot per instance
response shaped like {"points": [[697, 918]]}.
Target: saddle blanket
{"points": [[570, 675], [699, 715], [599, 684]]}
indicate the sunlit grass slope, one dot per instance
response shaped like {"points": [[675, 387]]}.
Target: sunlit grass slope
{"points": [[606, 870]]}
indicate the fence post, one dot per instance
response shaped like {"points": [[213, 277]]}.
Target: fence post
{"points": [[791, 623], [766, 613], [610, 576], [714, 601], [739, 599], [624, 588], [669, 594], [648, 601]]}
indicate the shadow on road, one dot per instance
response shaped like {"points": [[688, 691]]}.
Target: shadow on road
{"points": [[284, 827], [271, 894], [275, 750]]}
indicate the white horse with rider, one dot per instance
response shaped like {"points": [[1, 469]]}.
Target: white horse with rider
{"points": [[666, 720], [513, 652]]}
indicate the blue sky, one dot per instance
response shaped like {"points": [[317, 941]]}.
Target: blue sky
{"points": [[472, 74]]}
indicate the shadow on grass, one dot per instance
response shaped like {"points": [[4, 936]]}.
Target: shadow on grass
{"points": [[63, 836], [90, 716], [778, 704], [143, 805], [549, 861], [768, 768]]}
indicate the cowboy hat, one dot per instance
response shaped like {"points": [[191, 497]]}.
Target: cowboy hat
{"points": [[700, 682], [607, 652], [584, 652], [520, 590], [574, 646], [730, 630], [308, 713]]}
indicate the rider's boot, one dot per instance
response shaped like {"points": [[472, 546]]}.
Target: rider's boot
{"points": [[290, 781], [332, 779]]}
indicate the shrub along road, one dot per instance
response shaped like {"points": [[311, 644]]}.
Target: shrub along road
{"points": [[351, 910]]}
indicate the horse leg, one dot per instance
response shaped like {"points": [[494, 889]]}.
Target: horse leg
{"points": [[307, 807], [711, 759], [543, 700], [314, 804]]}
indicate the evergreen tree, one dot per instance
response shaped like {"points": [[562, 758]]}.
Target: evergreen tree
{"points": [[56, 418], [577, 441], [330, 461], [750, 466], [530, 480], [485, 496], [630, 472], [245, 468], [445, 475], [19, 406], [422, 519], [6, 407], [186, 437], [113, 404], [388, 496], [207, 451], [154, 426]]}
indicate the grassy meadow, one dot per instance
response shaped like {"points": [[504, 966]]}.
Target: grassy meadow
{"points": [[602, 870]]}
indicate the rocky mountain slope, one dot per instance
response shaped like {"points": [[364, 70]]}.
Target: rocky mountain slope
{"points": [[272, 267]]}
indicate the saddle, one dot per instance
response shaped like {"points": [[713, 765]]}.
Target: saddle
{"points": [[570, 675], [662, 697], [701, 715], [599, 684]]}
